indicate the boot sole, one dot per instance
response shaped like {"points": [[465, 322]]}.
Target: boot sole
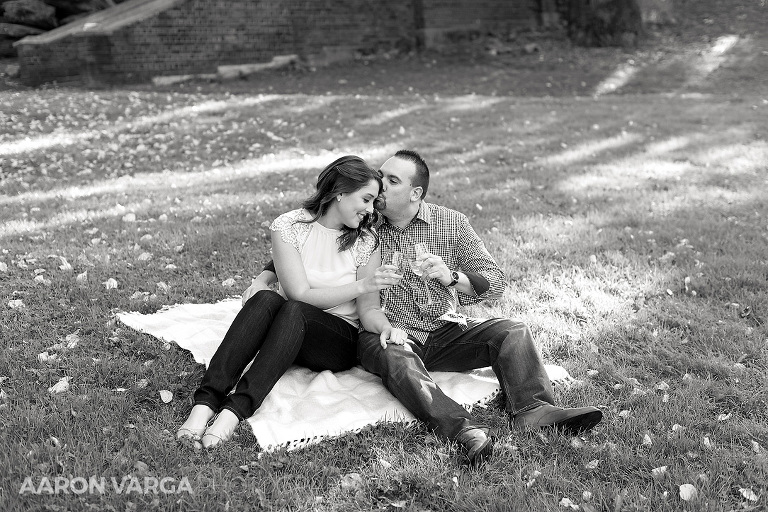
{"points": [[579, 424]]}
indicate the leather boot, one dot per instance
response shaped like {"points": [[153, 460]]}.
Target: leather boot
{"points": [[570, 421], [478, 444]]}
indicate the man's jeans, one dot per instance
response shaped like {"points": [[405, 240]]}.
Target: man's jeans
{"points": [[274, 333], [505, 345]]}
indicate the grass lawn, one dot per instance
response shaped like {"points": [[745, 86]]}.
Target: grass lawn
{"points": [[625, 202]]}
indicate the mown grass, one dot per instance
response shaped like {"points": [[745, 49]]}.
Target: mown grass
{"points": [[632, 230]]}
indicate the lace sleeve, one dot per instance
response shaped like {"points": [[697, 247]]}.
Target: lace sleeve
{"points": [[363, 248], [291, 231]]}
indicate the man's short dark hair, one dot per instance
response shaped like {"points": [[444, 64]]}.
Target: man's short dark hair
{"points": [[421, 178]]}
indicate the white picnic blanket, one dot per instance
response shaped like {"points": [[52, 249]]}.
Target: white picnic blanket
{"points": [[304, 406]]}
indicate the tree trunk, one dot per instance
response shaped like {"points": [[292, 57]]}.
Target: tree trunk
{"points": [[605, 22]]}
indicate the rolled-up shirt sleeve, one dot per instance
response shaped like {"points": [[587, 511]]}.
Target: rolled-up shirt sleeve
{"points": [[474, 258]]}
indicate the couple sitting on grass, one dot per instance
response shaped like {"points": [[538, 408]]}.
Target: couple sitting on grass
{"points": [[339, 306]]}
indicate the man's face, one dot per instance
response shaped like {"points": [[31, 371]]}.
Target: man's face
{"points": [[397, 175]]}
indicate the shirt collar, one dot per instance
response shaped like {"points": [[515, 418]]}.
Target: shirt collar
{"points": [[423, 215]]}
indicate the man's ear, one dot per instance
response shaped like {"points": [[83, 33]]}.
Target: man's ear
{"points": [[416, 193]]}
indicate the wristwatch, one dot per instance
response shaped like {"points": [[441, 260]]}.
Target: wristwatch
{"points": [[454, 278]]}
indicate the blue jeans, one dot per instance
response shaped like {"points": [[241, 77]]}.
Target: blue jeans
{"points": [[275, 333], [505, 345]]}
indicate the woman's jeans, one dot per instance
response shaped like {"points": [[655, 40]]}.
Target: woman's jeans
{"points": [[275, 333], [505, 345]]}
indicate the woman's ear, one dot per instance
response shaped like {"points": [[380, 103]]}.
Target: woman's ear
{"points": [[338, 197]]}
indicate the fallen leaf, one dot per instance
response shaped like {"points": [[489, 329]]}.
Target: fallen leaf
{"points": [[228, 283], [42, 280], [166, 396], [723, 417], [45, 357], [748, 494], [110, 284], [567, 503], [352, 482], [82, 278], [141, 467], [532, 476], [659, 472], [65, 266], [60, 387], [688, 492], [647, 441], [592, 464], [72, 340], [577, 443], [16, 304]]}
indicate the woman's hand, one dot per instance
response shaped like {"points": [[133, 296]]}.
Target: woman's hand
{"points": [[384, 277], [257, 284], [393, 335]]}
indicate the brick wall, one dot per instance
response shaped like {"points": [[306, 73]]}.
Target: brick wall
{"points": [[197, 36]]}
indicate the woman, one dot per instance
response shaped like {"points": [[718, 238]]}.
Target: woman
{"points": [[312, 322]]}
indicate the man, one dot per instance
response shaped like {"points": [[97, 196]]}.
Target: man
{"points": [[458, 271]]}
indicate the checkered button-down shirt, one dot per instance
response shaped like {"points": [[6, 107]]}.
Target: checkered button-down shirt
{"points": [[449, 235]]}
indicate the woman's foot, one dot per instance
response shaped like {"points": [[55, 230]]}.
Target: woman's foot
{"points": [[221, 430], [194, 427]]}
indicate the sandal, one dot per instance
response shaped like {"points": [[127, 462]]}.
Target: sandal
{"points": [[196, 423], [221, 429]]}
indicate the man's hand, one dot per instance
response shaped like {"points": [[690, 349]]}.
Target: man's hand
{"points": [[435, 268], [392, 335]]}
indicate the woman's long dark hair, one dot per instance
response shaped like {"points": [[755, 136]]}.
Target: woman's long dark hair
{"points": [[344, 175]]}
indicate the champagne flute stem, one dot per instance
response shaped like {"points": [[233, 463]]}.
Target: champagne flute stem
{"points": [[429, 294]]}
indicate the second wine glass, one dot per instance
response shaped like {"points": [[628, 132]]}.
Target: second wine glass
{"points": [[421, 249]]}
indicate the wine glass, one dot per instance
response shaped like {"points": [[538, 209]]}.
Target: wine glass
{"points": [[420, 249], [397, 261]]}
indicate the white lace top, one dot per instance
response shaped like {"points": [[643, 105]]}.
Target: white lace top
{"points": [[324, 265]]}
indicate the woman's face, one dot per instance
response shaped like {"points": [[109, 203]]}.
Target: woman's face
{"points": [[354, 206]]}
